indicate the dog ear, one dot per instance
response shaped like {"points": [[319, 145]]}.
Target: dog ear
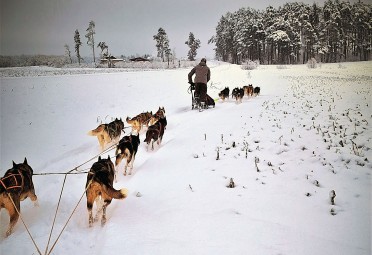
{"points": [[14, 164], [25, 161], [99, 158], [109, 157]]}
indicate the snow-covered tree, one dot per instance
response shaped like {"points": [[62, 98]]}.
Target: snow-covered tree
{"points": [[194, 45], [162, 43], [68, 52], [77, 45], [295, 33], [90, 37]]}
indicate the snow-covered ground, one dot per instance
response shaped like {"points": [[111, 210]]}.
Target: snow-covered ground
{"points": [[308, 133]]}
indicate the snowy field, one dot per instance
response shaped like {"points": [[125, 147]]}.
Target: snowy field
{"points": [[309, 132]]}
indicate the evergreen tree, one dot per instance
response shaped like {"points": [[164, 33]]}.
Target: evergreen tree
{"points": [[162, 43], [106, 54], [194, 45], [295, 33], [68, 52], [77, 45], [90, 37]]}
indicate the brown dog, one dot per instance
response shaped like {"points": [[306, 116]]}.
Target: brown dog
{"points": [[100, 190], [160, 113], [16, 186], [108, 132], [139, 121], [248, 90]]}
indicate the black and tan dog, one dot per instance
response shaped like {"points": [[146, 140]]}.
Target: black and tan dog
{"points": [[238, 94], [257, 91], [127, 148], [225, 93], [248, 90], [139, 121], [16, 186], [155, 132], [108, 132], [99, 188]]}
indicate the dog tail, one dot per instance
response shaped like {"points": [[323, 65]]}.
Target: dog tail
{"points": [[117, 194], [97, 131], [129, 120]]}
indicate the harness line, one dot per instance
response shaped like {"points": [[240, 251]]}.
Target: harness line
{"points": [[68, 220], [51, 249], [20, 215], [55, 215]]}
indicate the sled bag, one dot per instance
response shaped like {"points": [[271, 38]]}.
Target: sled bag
{"points": [[210, 100]]}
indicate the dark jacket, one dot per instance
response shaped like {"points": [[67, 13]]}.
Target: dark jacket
{"points": [[202, 73]]}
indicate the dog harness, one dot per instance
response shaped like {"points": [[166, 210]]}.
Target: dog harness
{"points": [[12, 181]]}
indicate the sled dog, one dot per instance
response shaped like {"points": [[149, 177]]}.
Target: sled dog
{"points": [[99, 188], [139, 121], [257, 91], [108, 132], [248, 90], [160, 113], [225, 93], [155, 133], [16, 186], [127, 148], [238, 94]]}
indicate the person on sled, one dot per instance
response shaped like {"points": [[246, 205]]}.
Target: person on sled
{"points": [[202, 76]]}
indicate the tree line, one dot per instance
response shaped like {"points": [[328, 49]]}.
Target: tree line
{"points": [[295, 33], [161, 38]]}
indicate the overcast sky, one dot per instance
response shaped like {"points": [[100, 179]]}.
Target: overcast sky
{"points": [[127, 26]]}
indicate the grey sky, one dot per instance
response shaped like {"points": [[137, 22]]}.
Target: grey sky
{"points": [[127, 26]]}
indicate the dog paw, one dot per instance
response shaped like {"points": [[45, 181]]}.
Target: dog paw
{"points": [[103, 222], [8, 233]]}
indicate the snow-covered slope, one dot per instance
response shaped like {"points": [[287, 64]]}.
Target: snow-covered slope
{"points": [[306, 134]]}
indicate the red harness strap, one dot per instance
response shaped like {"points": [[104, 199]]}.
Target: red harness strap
{"points": [[14, 183]]}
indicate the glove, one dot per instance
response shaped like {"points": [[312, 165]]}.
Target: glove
{"points": [[192, 85]]}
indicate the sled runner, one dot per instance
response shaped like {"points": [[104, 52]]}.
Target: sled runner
{"points": [[195, 102]]}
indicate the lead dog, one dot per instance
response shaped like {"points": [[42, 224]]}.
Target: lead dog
{"points": [[225, 93], [257, 91], [248, 90], [127, 148], [16, 186], [108, 132], [99, 188], [238, 94]]}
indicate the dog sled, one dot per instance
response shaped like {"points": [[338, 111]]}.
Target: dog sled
{"points": [[195, 101]]}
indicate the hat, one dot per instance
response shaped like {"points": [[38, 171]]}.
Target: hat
{"points": [[203, 60]]}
